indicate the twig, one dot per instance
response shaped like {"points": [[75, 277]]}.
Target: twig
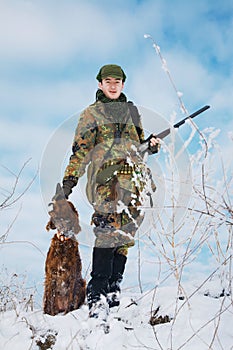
{"points": [[9, 201]]}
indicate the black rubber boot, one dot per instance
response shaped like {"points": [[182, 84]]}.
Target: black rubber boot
{"points": [[98, 286], [115, 280]]}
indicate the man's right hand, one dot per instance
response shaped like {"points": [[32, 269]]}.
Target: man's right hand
{"points": [[64, 191]]}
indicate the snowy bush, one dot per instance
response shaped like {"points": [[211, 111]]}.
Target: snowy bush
{"points": [[14, 294], [200, 226]]}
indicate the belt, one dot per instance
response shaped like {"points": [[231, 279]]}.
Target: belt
{"points": [[127, 169], [124, 168], [110, 163]]}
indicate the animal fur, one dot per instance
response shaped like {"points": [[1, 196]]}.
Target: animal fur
{"points": [[64, 217], [64, 289], [64, 285]]}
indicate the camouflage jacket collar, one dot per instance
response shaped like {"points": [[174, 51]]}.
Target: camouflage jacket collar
{"points": [[100, 96]]}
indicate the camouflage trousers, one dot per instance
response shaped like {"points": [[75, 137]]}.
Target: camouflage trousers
{"points": [[117, 216]]}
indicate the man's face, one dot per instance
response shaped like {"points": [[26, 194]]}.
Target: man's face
{"points": [[111, 87]]}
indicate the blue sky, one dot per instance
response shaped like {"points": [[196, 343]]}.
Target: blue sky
{"points": [[51, 52]]}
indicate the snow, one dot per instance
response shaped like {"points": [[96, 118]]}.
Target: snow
{"points": [[197, 322]]}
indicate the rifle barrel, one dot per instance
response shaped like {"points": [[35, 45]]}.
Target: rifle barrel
{"points": [[164, 133], [193, 115]]}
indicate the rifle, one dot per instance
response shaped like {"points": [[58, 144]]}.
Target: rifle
{"points": [[145, 145]]}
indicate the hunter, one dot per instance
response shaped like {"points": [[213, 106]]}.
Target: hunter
{"points": [[106, 140]]}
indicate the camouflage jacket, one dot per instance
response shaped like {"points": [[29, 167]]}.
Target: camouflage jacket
{"points": [[95, 143]]}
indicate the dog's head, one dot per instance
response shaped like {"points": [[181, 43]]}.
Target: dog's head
{"points": [[64, 217]]}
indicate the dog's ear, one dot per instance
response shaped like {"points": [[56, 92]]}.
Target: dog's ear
{"points": [[59, 194]]}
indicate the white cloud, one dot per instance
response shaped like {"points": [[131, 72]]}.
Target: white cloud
{"points": [[20, 141], [43, 32], [48, 102]]}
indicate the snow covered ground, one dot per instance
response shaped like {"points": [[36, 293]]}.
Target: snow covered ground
{"points": [[196, 322]]}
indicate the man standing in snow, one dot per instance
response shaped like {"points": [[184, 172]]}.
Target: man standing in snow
{"points": [[106, 140]]}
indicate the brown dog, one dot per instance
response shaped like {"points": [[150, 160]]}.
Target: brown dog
{"points": [[64, 286]]}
